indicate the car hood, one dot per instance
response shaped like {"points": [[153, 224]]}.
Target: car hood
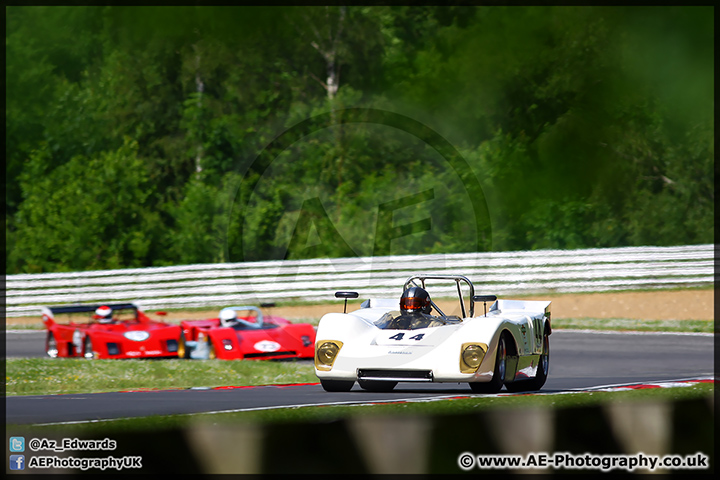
{"points": [[425, 337]]}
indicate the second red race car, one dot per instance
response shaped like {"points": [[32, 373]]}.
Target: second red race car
{"points": [[119, 330], [245, 333]]}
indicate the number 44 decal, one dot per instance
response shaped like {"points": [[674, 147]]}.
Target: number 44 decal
{"points": [[400, 336]]}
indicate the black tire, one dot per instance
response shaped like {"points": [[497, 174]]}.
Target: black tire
{"points": [[51, 347], [542, 372], [88, 353], [494, 385], [337, 385], [376, 385]]}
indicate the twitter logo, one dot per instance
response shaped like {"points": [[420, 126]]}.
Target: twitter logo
{"points": [[17, 444]]}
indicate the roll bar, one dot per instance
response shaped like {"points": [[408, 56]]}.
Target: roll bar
{"points": [[457, 279]]}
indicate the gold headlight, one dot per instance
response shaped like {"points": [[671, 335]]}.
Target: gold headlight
{"points": [[471, 356], [325, 353]]}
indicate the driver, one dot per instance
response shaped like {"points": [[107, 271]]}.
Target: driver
{"points": [[103, 314], [228, 317], [415, 300], [415, 307]]}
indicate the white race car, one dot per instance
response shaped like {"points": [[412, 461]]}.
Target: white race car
{"points": [[386, 342]]}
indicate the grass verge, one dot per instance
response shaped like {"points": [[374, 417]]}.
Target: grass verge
{"points": [[42, 376], [622, 324]]}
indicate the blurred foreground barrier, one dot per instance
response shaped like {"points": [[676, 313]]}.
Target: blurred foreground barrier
{"points": [[406, 443], [409, 444], [216, 285]]}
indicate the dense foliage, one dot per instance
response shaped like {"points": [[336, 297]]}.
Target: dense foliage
{"points": [[139, 136]]}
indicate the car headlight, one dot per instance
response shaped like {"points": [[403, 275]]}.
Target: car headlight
{"points": [[325, 354], [471, 356], [137, 335]]}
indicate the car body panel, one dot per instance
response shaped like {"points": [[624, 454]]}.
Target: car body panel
{"points": [[259, 337], [135, 336]]}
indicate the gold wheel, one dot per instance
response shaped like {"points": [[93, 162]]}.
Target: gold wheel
{"points": [[211, 349], [182, 348]]}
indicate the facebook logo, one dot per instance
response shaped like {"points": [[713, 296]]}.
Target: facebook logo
{"points": [[17, 462], [17, 444]]}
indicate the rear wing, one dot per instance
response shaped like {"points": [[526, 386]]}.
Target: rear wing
{"points": [[48, 313], [528, 307], [539, 306]]}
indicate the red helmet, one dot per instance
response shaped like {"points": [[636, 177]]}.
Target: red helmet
{"points": [[103, 314], [415, 299]]}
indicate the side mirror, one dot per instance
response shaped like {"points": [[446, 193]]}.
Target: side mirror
{"points": [[484, 299], [162, 314], [346, 295]]}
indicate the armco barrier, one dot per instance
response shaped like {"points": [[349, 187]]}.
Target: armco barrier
{"points": [[501, 273]]}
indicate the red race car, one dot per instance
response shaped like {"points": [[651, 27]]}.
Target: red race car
{"points": [[250, 335], [108, 331]]}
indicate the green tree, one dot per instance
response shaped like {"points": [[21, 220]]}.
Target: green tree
{"points": [[587, 126], [43, 53], [90, 213]]}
